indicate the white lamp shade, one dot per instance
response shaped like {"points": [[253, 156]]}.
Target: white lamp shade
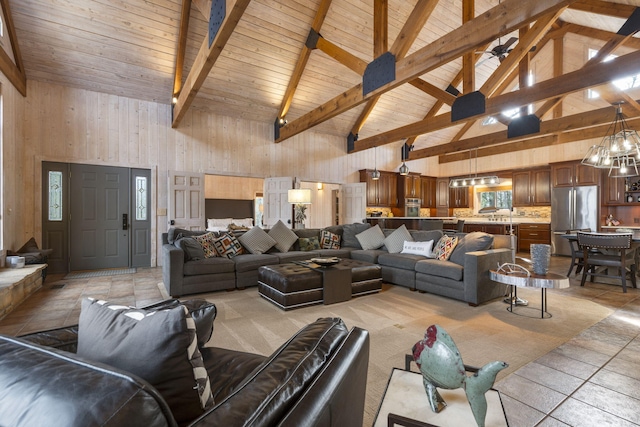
{"points": [[299, 196]]}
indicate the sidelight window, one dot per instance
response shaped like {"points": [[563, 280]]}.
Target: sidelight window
{"points": [[55, 196], [141, 198]]}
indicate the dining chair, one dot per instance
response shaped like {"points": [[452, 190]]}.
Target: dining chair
{"points": [[614, 251], [576, 253]]}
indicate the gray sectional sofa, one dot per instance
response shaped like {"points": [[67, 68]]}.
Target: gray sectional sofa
{"points": [[465, 276]]}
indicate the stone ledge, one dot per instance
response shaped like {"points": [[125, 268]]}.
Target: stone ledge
{"points": [[17, 284]]}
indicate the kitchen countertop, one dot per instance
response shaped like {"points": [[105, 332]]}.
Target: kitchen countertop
{"points": [[476, 220], [613, 227]]}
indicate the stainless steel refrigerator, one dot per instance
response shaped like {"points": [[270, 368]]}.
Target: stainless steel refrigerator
{"points": [[572, 208]]}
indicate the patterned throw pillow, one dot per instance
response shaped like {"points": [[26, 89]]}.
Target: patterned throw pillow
{"points": [[159, 346], [207, 240], [329, 240], [227, 245], [309, 243], [445, 247]]}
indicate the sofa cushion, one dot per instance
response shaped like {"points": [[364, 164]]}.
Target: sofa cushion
{"points": [[192, 249], [418, 248], [227, 245], [474, 241], [213, 265], [395, 241], [251, 262], [371, 238], [444, 247], [446, 269], [175, 233], [308, 243], [329, 240], [257, 241], [404, 261], [295, 256], [367, 255], [349, 234], [283, 235], [159, 346], [207, 241]]}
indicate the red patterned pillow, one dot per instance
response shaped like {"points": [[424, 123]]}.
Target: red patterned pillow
{"points": [[207, 242], [228, 245], [445, 247], [329, 240]]}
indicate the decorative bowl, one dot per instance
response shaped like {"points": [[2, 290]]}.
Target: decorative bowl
{"points": [[325, 262]]}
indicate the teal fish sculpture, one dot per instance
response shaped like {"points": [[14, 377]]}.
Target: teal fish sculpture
{"points": [[441, 366]]}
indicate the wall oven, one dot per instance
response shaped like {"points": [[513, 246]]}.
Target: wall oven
{"points": [[412, 207]]}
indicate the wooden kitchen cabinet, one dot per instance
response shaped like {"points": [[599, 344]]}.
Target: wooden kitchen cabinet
{"points": [[442, 193], [428, 190], [614, 190], [381, 192], [531, 188], [569, 174], [409, 186], [459, 197], [529, 233]]}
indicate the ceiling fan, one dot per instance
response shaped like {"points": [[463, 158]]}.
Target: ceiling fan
{"points": [[499, 51]]}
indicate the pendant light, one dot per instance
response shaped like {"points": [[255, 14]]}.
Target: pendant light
{"points": [[618, 151], [404, 153], [375, 175]]}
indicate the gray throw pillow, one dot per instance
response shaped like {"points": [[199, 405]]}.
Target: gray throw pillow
{"points": [[159, 346], [283, 235], [394, 242], [192, 249], [257, 241], [349, 232], [474, 241]]}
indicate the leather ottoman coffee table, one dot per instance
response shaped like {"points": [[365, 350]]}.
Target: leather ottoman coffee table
{"points": [[294, 285]]}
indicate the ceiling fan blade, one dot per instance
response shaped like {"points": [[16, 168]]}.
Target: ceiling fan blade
{"points": [[483, 61], [509, 42]]}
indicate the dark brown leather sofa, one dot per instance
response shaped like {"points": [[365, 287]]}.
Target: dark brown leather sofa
{"points": [[316, 378]]}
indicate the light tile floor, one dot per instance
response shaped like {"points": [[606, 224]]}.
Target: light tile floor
{"points": [[592, 380]]}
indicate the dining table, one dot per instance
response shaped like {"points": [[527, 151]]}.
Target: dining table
{"points": [[635, 242]]}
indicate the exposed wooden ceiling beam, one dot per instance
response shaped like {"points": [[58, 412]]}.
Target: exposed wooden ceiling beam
{"points": [[318, 20], [512, 65], [606, 8], [185, 14], [13, 71], [419, 16], [594, 75], [380, 27], [542, 141], [594, 33], [610, 46], [204, 6], [468, 59], [502, 19], [432, 90], [572, 122], [347, 59], [206, 58]]}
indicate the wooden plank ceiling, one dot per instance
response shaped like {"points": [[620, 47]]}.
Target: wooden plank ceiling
{"points": [[259, 66]]}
